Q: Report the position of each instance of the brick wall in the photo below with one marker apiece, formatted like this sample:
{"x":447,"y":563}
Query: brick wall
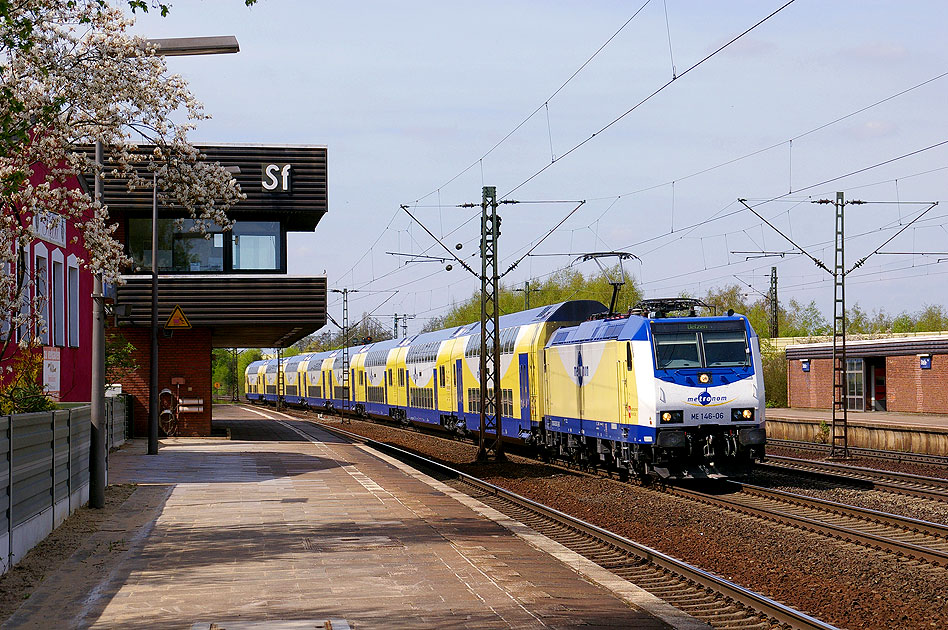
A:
{"x":813,"y":389}
{"x":909,"y":388}
{"x":914,"y":390}
{"x":187,"y":355}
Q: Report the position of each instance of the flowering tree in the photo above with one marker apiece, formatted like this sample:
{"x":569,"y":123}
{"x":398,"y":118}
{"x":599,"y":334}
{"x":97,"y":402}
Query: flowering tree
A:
{"x":71,"y":75}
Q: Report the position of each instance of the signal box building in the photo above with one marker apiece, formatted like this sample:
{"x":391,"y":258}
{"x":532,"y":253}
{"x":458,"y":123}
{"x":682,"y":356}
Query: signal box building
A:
{"x":902,"y":374}
{"x":231,"y":289}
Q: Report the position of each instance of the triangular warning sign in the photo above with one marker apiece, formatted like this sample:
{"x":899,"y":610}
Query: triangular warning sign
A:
{"x":177,"y":319}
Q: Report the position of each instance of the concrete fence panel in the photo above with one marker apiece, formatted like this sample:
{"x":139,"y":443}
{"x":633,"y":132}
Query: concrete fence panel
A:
{"x":44,"y":472}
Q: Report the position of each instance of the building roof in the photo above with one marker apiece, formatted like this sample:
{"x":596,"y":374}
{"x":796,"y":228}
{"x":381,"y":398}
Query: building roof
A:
{"x":915,"y":343}
{"x":299,"y":209}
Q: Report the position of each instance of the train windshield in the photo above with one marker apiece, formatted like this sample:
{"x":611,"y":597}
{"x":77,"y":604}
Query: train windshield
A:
{"x":700,"y":345}
{"x":677,"y":350}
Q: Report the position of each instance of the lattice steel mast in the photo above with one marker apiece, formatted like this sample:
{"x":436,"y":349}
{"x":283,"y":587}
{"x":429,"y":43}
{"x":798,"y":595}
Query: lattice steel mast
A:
{"x":491,"y":394}
{"x":345,"y":346}
{"x":840,"y":443}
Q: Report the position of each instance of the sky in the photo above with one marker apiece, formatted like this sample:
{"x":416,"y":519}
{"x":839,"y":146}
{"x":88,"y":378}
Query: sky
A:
{"x":651,"y":113}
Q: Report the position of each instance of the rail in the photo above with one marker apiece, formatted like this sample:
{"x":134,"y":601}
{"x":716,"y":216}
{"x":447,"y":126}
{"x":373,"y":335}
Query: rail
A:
{"x":764,"y":606}
{"x":901,"y":483}
{"x":872,"y":453}
{"x":913,"y":538}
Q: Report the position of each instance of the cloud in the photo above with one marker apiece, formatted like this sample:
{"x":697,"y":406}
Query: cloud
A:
{"x":874,"y":129}
{"x":877,"y":52}
{"x":748,"y":47}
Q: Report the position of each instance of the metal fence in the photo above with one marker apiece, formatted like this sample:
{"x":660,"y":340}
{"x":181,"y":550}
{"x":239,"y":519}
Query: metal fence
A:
{"x":44,"y":471}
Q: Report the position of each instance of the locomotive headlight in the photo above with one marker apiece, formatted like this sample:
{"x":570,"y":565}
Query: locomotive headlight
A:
{"x":672,"y":417}
{"x":704,"y":379}
{"x":742,"y":415}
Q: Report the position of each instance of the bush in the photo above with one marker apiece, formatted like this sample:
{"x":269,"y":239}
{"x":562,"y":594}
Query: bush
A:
{"x":775,"y":379}
{"x":22,"y":391}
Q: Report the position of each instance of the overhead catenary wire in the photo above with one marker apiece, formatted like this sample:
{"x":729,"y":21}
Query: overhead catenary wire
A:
{"x":617,"y":198}
{"x":776,"y":145}
{"x":542,"y":105}
{"x":889,"y":98}
{"x":658,"y":91}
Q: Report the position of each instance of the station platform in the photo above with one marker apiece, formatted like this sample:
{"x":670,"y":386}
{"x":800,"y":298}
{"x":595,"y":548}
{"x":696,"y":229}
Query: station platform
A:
{"x":888,"y":430}
{"x":879,"y":418}
{"x":299,"y":529}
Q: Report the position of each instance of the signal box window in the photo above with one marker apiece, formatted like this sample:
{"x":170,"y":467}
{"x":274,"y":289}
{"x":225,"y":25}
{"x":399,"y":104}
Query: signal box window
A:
{"x":256,"y":245}
{"x":250,"y":246}
{"x":179,"y":248}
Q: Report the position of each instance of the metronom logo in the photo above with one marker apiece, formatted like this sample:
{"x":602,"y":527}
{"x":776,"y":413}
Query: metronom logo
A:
{"x":704,"y":399}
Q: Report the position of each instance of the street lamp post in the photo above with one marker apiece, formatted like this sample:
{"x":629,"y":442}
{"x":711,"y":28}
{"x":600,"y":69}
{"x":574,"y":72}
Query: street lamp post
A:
{"x":153,"y":369}
{"x":170,"y":47}
{"x":97,"y":454}
{"x":153,"y":384}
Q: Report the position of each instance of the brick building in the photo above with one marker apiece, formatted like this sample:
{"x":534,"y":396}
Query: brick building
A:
{"x":903,"y":374}
{"x":231,"y":288}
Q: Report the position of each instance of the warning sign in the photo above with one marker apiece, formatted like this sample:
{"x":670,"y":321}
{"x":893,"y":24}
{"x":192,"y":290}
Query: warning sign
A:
{"x":177,"y":319}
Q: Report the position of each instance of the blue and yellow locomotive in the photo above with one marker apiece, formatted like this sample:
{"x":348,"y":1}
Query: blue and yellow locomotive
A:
{"x":641,"y":394}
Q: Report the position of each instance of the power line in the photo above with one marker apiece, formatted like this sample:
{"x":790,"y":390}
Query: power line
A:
{"x":541,"y":106}
{"x":617,"y":198}
{"x":649,"y":97}
{"x":781,"y":143}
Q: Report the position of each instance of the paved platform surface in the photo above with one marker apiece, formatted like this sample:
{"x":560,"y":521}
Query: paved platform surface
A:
{"x":878,"y":418}
{"x":292,"y":533}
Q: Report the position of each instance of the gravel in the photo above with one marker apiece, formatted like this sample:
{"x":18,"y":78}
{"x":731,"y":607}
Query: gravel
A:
{"x":841,"y":583}
{"x":912,"y":507}
{"x":911,"y":468}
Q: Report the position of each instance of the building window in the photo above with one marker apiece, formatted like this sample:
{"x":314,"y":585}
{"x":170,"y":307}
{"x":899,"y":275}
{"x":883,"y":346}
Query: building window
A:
{"x":58,"y":303}
{"x":23,"y":294}
{"x":251,"y":246}
{"x":179,"y":248}
{"x":41,"y":294}
{"x":72,"y":284}
{"x":8,"y":269}
{"x":256,"y":245}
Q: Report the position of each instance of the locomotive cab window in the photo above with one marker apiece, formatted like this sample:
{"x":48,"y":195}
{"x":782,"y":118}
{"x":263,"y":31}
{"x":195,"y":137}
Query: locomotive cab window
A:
{"x":709,"y":344}
{"x":725,"y":349}
{"x":676,"y":350}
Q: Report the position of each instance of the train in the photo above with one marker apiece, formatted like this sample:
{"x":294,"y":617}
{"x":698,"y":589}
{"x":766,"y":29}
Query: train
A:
{"x":647,"y":393}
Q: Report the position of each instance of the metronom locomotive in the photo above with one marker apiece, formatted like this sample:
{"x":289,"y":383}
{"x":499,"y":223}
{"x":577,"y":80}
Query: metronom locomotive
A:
{"x":643,"y":393}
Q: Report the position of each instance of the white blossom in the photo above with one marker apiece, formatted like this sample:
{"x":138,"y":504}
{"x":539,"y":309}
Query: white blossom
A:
{"x":73,"y":77}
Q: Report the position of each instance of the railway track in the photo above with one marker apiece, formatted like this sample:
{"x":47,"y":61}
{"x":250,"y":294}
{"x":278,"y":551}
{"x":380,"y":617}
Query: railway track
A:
{"x":903,"y":536}
{"x":933,"y":488}
{"x":705,"y":596}
{"x":869,"y":453}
